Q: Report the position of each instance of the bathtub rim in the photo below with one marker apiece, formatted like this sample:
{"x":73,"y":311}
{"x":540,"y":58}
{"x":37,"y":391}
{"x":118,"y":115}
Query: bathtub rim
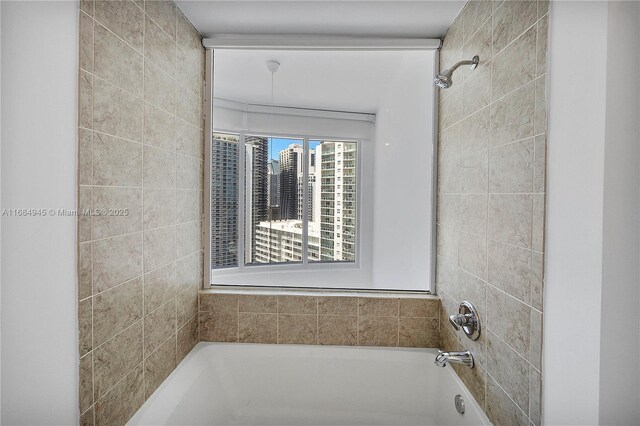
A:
{"x":200,"y":346}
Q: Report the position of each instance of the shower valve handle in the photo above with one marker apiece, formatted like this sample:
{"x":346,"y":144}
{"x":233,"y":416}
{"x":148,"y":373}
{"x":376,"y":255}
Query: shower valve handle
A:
{"x":467,"y":319}
{"x":460,"y":320}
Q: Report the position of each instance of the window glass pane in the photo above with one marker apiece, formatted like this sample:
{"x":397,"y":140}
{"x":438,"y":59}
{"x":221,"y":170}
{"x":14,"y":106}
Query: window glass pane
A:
{"x":274,"y":200}
{"x":224,"y":200}
{"x":332,"y":226}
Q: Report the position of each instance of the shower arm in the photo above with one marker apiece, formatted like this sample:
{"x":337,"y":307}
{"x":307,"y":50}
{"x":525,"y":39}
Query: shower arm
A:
{"x":473,"y":62}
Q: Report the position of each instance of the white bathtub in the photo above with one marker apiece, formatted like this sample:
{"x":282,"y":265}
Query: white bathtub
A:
{"x":250,"y":384}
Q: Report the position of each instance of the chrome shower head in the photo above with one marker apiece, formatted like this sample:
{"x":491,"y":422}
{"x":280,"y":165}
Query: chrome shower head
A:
{"x":444,"y":80}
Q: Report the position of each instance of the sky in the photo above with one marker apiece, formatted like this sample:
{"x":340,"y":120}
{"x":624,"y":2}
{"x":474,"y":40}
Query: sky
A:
{"x":278,"y":144}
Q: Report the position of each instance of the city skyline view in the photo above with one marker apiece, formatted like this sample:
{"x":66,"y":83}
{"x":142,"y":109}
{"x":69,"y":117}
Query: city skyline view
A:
{"x":278,"y":144}
{"x":275,"y":199}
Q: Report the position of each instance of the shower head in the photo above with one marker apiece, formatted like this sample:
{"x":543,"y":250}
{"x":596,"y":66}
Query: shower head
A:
{"x":444,"y":80}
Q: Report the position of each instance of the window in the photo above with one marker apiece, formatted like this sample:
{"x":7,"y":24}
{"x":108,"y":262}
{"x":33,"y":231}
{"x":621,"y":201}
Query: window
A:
{"x":274,"y":200}
{"x":321,"y":178}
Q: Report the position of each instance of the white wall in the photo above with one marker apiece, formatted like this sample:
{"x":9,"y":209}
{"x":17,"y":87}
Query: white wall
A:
{"x":591,"y":282}
{"x":403,"y":184}
{"x":575,"y":167}
{"x":621,"y":242}
{"x":0,"y":221}
{"x":39,"y":315}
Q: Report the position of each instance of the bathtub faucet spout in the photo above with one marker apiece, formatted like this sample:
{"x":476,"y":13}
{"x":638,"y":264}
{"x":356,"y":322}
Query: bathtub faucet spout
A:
{"x":454,"y":357}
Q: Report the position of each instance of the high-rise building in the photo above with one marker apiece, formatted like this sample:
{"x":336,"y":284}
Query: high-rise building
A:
{"x":256,"y":189}
{"x":273,"y":189}
{"x":337,"y":176}
{"x":274,"y":201}
{"x":290,"y":168}
{"x":224,"y":200}
{"x":311,"y":181}
{"x":281,"y":241}
{"x":332,"y":208}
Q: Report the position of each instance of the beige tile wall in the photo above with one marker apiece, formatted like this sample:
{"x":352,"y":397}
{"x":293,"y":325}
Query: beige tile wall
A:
{"x":491,"y":196}
{"x":140,"y":148}
{"x":319,"y":320}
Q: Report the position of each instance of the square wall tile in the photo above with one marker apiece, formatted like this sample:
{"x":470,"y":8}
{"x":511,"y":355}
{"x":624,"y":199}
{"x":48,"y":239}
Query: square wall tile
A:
{"x":187,"y":338}
{"x":297,"y":305}
{"x":117,"y":62}
{"x":297,"y":329}
{"x":261,"y":304}
{"x":337,"y":330}
{"x":116,"y":162}
{"x":116,"y":358}
{"x":116,"y":260}
{"x":419,"y":333}
{"x":218,"y":326}
{"x":122,"y":401}
{"x":158,"y":365}
{"x":163,"y":12}
{"x":160,"y":286}
{"x":159,"y":47}
{"x":116,"y":309}
{"x":124,"y":18}
{"x":116,"y":111}
{"x":377,"y":331}
{"x":159,"y":247}
{"x":257,"y":328}
{"x":159,"y":325}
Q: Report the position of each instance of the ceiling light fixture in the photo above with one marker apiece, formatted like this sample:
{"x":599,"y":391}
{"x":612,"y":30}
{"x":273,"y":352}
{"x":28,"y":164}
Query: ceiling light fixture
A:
{"x":273,"y":65}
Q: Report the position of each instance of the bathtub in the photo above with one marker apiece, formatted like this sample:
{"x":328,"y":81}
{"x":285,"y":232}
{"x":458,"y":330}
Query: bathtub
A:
{"x":252,"y":384}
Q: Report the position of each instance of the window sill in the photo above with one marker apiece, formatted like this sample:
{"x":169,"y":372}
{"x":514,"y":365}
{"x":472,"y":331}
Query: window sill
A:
{"x":292,"y":291}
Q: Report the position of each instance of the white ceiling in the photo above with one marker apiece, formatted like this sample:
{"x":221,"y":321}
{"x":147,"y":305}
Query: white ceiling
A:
{"x":412,"y":19}
{"x":347,"y":81}
{"x":331,"y":80}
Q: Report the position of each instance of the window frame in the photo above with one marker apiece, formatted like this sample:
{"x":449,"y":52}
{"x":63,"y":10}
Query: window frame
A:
{"x":336,"y":43}
{"x":305,"y":264}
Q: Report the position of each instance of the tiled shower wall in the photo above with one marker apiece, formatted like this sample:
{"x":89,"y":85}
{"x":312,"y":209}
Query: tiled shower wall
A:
{"x":491,"y":198}
{"x":140,"y":166}
{"x":319,"y":320}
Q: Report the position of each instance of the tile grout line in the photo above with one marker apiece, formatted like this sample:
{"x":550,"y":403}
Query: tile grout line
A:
{"x":144,"y":307}
{"x":128,"y":44}
{"x":237,"y":319}
{"x":142,"y":98}
{"x":175,"y":191}
{"x":489,"y":329}
{"x":129,"y":280}
{"x":93,"y":369}
{"x":490,"y":102}
{"x":121,"y":138}
{"x":499,"y":289}
{"x":128,"y":234}
{"x":140,"y":364}
{"x":149,"y":187}
{"x":532,"y":194}
{"x":398,"y":323}
{"x":178,"y":119}
{"x":508,"y":396}
{"x":145,"y":358}
{"x":516,"y":37}
{"x":495,"y":54}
